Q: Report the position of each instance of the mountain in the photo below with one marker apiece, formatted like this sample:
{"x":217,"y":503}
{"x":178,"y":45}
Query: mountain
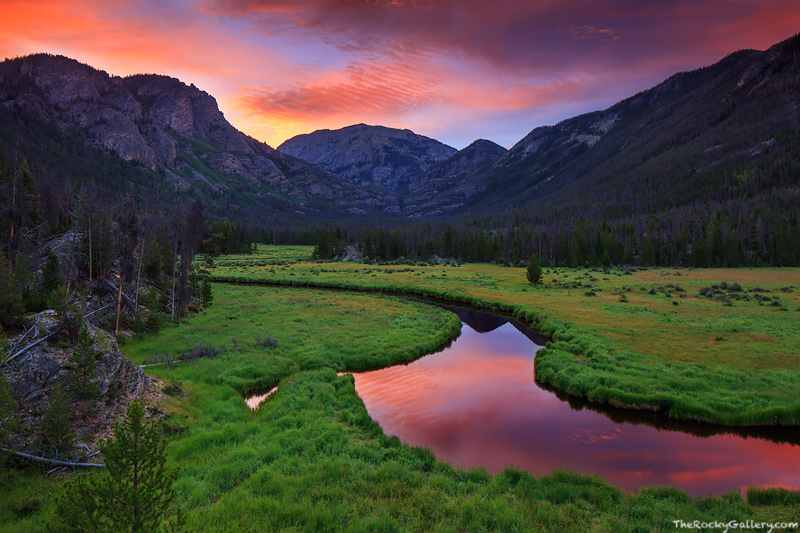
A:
{"x":722,"y":141}
{"x":725,"y":131}
{"x":446,"y":185}
{"x":173,"y":134}
{"x":386,"y":158}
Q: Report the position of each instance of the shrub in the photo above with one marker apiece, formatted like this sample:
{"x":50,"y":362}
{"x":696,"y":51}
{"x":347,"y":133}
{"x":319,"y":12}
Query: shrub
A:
{"x":265,"y":341}
{"x":174,"y":388}
{"x":772,"y":496}
{"x":199,"y":351}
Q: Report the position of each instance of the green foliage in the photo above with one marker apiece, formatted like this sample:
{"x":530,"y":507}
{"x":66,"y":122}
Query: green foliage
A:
{"x":83,"y":370}
{"x":56,"y":427}
{"x":51,"y":275}
{"x":8,"y":408}
{"x":534,"y":271}
{"x":134,"y":493}
{"x":223,"y":237}
{"x":205,"y":292}
{"x":772,"y":496}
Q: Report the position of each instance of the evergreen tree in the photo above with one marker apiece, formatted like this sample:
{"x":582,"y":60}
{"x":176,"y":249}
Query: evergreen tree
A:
{"x":628,"y":254}
{"x":56,"y":426}
{"x":51,"y":275}
{"x":648,"y":252}
{"x":83,"y":368}
{"x":321,"y":249}
{"x":134,"y":493}
{"x":8,"y":407}
{"x":11,"y":305}
{"x":534,"y":271}
{"x":205,"y":293}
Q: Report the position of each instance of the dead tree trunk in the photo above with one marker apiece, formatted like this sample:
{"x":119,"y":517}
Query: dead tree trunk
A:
{"x":174,"y":261}
{"x":119,"y":304}
{"x":138,"y":276}
{"x":90,"y":252}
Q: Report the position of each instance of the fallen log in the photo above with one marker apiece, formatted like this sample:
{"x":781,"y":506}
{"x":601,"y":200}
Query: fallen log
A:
{"x":127,"y":298}
{"x":25,"y":349}
{"x":51,"y":461}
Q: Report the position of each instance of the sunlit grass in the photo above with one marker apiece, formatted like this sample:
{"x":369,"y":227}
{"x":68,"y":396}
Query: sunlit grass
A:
{"x":311,"y":459}
{"x":664,"y":331}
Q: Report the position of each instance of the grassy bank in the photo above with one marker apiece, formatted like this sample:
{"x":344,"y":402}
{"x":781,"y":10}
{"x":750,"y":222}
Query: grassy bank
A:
{"x":716,"y":345}
{"x":311,"y":458}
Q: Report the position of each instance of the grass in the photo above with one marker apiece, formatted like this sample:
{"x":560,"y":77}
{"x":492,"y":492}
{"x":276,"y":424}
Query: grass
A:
{"x":311,"y":459}
{"x":730,"y":359}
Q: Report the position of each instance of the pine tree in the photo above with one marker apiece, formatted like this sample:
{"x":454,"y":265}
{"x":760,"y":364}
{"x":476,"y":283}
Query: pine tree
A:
{"x":51,"y":275}
{"x":8,"y":407}
{"x":56,"y":426}
{"x":134,"y":493}
{"x":534,"y":272}
{"x":84,"y":370}
{"x":205,"y":293}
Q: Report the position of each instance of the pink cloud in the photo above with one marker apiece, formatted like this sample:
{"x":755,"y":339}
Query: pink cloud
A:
{"x":281,"y":67}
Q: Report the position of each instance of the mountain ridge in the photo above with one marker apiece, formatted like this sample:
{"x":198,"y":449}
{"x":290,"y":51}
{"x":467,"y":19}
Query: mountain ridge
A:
{"x":178,"y":131}
{"x":387,"y":158}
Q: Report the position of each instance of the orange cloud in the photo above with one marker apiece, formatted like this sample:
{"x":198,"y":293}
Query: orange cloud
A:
{"x":281,"y":67}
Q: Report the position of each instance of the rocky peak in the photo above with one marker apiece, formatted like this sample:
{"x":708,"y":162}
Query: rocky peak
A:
{"x":369,"y":155}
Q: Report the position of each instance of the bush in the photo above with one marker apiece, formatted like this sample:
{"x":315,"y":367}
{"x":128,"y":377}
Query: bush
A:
{"x":154,"y":322}
{"x":265,"y":341}
{"x":174,"y":388}
{"x":199,"y":351}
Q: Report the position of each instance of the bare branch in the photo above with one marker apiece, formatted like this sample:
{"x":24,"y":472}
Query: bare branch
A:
{"x":50,"y":461}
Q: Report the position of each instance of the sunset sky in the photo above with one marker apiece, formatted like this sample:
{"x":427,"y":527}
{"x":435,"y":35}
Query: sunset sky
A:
{"x":455,"y":70}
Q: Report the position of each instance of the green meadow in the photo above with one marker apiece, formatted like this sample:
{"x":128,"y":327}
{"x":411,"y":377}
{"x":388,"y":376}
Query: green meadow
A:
{"x":311,"y":459}
{"x":715,"y":345}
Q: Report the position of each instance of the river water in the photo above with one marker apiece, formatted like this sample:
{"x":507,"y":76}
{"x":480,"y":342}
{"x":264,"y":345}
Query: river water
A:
{"x":476,"y":403}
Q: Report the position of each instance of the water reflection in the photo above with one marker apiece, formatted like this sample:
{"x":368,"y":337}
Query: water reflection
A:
{"x":476,"y":404}
{"x":254,"y":401}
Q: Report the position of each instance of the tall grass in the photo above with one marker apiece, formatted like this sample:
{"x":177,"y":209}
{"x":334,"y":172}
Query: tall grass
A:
{"x":311,"y":459}
{"x":702,"y":359}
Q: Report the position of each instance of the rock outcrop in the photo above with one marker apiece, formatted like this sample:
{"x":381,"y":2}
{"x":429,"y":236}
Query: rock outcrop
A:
{"x":34,"y":375}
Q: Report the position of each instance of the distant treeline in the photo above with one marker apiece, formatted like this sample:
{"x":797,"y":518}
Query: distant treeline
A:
{"x":743,"y":211}
{"x":754,"y":232}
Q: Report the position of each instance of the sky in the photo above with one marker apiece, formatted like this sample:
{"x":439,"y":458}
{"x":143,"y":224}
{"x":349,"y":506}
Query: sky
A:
{"x":454,"y":70}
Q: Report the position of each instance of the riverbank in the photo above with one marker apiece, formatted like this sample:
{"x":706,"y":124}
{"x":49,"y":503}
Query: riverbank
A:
{"x":718,"y":346}
{"x":311,"y":458}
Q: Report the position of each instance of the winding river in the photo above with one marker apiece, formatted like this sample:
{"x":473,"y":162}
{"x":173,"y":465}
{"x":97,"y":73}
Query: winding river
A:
{"x":476,"y":403}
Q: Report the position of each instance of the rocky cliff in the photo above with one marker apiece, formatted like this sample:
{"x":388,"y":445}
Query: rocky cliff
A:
{"x":176,"y":130}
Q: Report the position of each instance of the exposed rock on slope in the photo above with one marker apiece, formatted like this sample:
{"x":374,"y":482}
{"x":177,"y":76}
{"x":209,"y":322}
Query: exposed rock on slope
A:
{"x":177,"y":130}
{"x":369,"y":155}
{"x":448,"y":184}
{"x":34,"y":375}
